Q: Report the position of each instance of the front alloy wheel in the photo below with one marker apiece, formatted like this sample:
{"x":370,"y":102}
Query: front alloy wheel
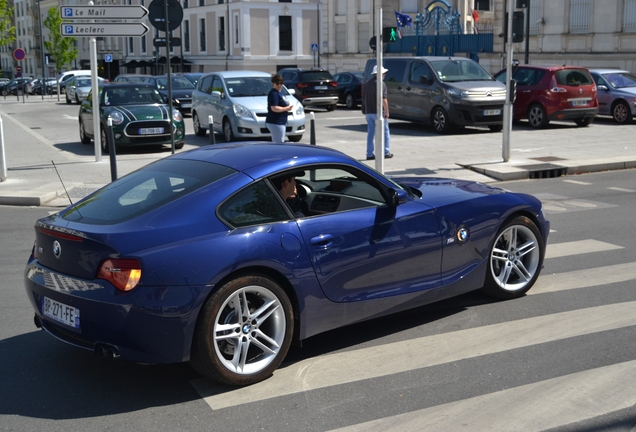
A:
{"x":228,"y":135}
{"x":440,"y":121}
{"x":243,"y":332}
{"x":621,"y":113}
{"x":515,"y":259}
{"x":198,"y":130}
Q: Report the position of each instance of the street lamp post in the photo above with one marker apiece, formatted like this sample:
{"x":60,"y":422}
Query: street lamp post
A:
{"x":43,"y":87}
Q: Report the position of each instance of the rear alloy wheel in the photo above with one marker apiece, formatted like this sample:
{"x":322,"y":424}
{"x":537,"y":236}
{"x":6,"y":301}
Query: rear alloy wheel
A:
{"x":198,"y":130}
{"x":77,"y":99}
{"x":515,"y":259}
{"x":584,"y":121}
{"x":537,"y":117}
{"x":621,"y":113}
{"x":83,"y":138}
{"x":243,"y":332}
{"x":439,"y":119}
{"x":350,"y":101}
{"x":228,"y":135}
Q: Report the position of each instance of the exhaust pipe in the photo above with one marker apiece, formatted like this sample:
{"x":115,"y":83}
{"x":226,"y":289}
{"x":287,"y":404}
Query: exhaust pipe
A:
{"x":37,"y":321}
{"x":106,"y":352}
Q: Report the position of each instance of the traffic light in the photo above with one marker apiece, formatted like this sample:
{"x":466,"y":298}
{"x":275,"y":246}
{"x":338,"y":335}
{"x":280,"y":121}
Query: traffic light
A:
{"x":517,"y":27}
{"x":389,"y":34}
{"x":513,"y":91}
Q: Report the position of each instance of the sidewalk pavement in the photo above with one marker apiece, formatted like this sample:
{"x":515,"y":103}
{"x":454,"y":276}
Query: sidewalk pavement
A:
{"x":43,"y":173}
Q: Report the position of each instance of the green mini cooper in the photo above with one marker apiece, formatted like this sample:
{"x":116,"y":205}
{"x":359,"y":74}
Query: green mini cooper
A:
{"x":139,"y":113}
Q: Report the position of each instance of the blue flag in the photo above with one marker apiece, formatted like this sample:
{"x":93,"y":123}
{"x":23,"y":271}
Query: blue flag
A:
{"x":403,"y":20}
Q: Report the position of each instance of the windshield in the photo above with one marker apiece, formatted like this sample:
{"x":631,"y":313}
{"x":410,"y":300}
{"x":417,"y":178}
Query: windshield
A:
{"x":620,"y":80}
{"x":83,"y":83}
{"x":248,"y":86}
{"x":449,"y":70}
{"x":177,"y":83}
{"x":132,"y":96}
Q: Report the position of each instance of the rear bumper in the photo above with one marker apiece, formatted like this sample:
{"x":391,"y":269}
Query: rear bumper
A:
{"x":146,"y":325}
{"x":574,"y":114}
{"x":320,"y":100}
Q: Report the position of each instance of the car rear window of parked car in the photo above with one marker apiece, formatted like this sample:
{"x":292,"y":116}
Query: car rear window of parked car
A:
{"x":316,"y":75}
{"x":573,"y":77}
{"x":145,"y":190}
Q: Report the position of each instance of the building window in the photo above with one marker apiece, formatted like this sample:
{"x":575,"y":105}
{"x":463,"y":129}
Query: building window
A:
{"x":482,"y":5}
{"x":186,"y":4}
{"x":131,"y":45}
{"x":342,"y":8}
{"x":202,"y":34}
{"x":201,"y":2}
{"x":409,"y":6}
{"x":629,"y":16}
{"x":363,"y":37}
{"x":285,"y":33}
{"x":341,"y":38}
{"x":222,"y":34}
{"x":186,"y":35}
{"x":579,"y":16}
{"x":236,"y":29}
{"x":143,"y":44}
{"x":364,"y":6}
{"x":535,"y":17}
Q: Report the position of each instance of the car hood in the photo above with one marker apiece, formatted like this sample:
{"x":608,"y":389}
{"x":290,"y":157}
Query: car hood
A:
{"x":623,"y":91}
{"x":258,"y":103}
{"x":139,"y":112}
{"x":438,"y":192}
{"x":479,"y":87}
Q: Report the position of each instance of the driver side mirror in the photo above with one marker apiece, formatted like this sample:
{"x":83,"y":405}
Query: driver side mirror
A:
{"x":602,"y":87}
{"x":397,"y":197}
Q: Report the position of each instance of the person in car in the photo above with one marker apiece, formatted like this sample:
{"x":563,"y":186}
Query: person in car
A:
{"x":277,"y":109}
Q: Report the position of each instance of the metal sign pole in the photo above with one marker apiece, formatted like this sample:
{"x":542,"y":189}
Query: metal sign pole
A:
{"x":379,"y":123}
{"x":507,"y":114}
{"x":168,"y":37}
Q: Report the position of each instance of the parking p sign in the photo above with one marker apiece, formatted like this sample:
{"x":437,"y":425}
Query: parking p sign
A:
{"x":67,"y":12}
{"x":68,"y":29}
{"x":108,"y":58}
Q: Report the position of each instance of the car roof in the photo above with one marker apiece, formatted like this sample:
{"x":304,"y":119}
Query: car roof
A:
{"x":607,"y":70}
{"x":240,"y":74}
{"x":551,"y":67}
{"x":126,"y":84}
{"x":258,"y":159}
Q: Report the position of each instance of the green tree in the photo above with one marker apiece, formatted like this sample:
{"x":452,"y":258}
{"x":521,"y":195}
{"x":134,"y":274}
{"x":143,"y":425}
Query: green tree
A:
{"x":61,"y":48}
{"x":7,"y":31}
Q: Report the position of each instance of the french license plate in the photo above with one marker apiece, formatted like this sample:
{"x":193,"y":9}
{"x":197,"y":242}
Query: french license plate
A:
{"x":186,"y":105}
{"x":60,"y":312}
{"x":150,"y":131}
{"x":320,"y":87}
{"x":491,"y":112}
{"x":579,"y":103}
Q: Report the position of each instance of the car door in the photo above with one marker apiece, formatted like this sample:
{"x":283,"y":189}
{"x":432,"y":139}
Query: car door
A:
{"x":201,"y":100}
{"x":420,"y":91}
{"x":395,"y":86}
{"x":361,"y":247}
{"x":86,"y":114}
{"x":528,"y":90}
{"x":218,"y":101}
{"x":604,"y":96}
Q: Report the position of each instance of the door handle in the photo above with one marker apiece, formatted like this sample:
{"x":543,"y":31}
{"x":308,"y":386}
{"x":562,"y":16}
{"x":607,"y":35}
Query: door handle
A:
{"x":322,"y":240}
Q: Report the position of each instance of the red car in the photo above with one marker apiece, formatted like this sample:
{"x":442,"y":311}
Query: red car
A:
{"x":546,"y":93}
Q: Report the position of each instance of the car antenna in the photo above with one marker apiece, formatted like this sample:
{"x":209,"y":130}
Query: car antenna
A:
{"x":60,"y":177}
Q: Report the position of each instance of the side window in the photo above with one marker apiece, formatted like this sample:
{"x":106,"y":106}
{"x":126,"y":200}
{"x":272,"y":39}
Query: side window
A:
{"x":418,"y":71}
{"x":206,"y":85}
{"x":254,"y":205}
{"x":344,"y":79}
{"x":396,"y":70}
{"x":217,"y":85}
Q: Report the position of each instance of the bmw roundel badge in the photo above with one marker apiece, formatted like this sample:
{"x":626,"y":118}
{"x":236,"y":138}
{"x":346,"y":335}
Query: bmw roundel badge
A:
{"x":462,"y":234}
{"x":57,"y":249}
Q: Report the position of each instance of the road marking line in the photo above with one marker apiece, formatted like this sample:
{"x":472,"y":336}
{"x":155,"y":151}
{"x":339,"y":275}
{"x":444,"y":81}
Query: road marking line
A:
{"x":621,"y":189}
{"x":577,"y":248}
{"x":367,"y":363}
{"x":532,"y":407}
{"x":577,"y":182}
{"x":584,"y":278}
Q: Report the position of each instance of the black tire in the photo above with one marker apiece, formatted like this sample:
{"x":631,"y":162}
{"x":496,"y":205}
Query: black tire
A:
{"x":228,"y":135}
{"x":178,"y":146}
{"x":198,"y":130}
{"x":68,"y":101}
{"x":440,"y":121}
{"x":495,"y":128}
{"x":621,"y":113}
{"x":219,"y":353}
{"x":515,"y":259}
{"x":350,"y":101}
{"x":83,"y":138}
{"x":104,"y":142}
{"x":537,"y":117}
{"x":295,"y":138}
{"x":331,"y":107}
{"x":584,"y":122}
{"x":77,"y":99}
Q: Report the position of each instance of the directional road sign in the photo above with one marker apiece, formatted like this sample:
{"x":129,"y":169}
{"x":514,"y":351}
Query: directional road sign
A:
{"x":103,"y":29}
{"x":103,"y":12}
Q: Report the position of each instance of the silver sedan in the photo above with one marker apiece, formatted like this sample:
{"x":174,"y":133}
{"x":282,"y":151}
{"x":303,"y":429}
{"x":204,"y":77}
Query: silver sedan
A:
{"x":78,"y":88}
{"x":616,"y":93}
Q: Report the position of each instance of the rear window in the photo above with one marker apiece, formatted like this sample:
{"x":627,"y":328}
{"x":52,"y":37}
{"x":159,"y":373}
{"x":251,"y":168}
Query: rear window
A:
{"x":316,"y":76}
{"x":573,"y":77}
{"x":144,"y":190}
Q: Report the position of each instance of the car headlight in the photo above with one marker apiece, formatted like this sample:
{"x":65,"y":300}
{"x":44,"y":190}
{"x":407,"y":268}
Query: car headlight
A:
{"x":176,"y":115}
{"x":299,"y":110}
{"x":242,"y":111}
{"x":117,"y":117}
{"x":457,"y":93}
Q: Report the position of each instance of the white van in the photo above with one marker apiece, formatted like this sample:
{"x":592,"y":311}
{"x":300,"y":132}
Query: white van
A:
{"x":65,"y":76}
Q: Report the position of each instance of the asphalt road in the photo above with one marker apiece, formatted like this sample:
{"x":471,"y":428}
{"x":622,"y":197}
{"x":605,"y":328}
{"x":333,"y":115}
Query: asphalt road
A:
{"x":561,"y":358}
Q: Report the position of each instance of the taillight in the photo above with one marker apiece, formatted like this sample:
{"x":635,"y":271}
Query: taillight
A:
{"x":554,"y":88}
{"x":124,"y":274}
{"x":302,"y":85}
{"x":333,"y":84}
